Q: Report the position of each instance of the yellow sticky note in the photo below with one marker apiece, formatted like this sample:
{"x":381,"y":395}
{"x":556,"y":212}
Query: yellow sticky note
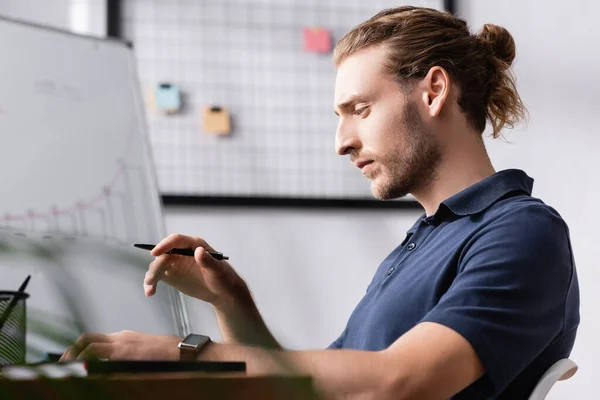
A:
{"x":216,"y":120}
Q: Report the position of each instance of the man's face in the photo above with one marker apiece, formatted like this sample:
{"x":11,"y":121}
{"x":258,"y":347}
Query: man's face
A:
{"x":380,"y":127}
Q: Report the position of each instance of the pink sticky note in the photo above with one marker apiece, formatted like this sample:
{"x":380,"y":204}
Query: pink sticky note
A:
{"x":317,"y":40}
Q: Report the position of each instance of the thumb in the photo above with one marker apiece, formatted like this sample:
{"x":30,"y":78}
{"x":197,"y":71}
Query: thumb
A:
{"x":204,"y":259}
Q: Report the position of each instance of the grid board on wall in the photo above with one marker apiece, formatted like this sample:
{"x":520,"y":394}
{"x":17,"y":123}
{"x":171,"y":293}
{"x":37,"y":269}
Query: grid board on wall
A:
{"x":247,"y":56}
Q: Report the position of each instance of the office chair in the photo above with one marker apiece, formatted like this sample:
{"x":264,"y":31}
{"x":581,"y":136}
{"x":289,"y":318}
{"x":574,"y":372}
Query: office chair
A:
{"x":559,"y":371}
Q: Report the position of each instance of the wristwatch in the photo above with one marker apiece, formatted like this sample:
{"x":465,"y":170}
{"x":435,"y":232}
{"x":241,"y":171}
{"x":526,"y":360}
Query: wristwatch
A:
{"x":191,"y":346}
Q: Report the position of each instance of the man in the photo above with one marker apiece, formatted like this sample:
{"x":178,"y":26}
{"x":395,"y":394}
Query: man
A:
{"x":479,"y":299}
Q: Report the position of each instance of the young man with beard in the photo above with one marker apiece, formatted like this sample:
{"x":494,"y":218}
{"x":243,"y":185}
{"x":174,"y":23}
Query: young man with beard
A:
{"x":478,"y":300}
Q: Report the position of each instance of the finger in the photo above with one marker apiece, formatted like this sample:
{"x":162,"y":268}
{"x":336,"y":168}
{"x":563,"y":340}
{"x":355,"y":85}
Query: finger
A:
{"x":95,"y":351}
{"x":70,"y":354}
{"x":172,"y":241}
{"x":82,"y":342}
{"x":88,"y":338}
{"x":149,"y":289}
{"x":178,"y":240}
{"x":205,"y":260}
{"x":66,"y":356}
{"x":157,"y":268}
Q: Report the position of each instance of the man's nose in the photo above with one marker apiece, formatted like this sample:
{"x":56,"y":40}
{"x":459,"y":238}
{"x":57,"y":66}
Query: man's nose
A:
{"x":346,"y":139}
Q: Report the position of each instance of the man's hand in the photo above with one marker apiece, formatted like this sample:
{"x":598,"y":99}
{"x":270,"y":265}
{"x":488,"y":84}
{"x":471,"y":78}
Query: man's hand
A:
{"x":430,"y":361}
{"x":213,"y":281}
{"x":201,"y":276}
{"x":125,"y":345}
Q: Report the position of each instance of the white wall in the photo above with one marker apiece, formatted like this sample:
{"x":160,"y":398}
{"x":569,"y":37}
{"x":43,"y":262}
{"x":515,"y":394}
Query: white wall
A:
{"x":80,"y":16}
{"x":38,"y":11}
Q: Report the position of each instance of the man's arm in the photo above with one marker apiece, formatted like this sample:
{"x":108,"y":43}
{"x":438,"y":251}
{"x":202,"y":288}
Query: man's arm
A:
{"x":430,"y":361}
{"x":240,"y":321}
{"x":211,"y":280}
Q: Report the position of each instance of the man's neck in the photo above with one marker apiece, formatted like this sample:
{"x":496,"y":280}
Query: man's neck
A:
{"x":466,"y":165}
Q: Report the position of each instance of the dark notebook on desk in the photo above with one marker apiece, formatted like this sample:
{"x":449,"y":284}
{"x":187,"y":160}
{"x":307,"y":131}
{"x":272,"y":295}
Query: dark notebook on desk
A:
{"x":117,"y":366}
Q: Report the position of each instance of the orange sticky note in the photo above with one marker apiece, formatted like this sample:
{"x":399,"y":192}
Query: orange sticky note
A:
{"x":216,"y":120}
{"x":317,"y":40}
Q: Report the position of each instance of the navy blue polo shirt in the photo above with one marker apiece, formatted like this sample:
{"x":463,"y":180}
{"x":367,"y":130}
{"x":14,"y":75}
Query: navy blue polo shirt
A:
{"x":495,"y":265}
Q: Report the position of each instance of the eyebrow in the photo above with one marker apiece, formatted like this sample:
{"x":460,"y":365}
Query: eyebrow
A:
{"x":347,"y":104}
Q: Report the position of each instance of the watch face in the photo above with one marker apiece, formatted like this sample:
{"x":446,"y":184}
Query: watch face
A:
{"x":195,"y":340}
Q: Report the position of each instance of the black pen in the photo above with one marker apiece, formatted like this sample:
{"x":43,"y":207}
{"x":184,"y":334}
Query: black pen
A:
{"x":182,"y":252}
{"x":13,"y":302}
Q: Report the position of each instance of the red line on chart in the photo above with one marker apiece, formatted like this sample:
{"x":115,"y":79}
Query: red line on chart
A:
{"x":101,"y":205}
{"x":80,"y":206}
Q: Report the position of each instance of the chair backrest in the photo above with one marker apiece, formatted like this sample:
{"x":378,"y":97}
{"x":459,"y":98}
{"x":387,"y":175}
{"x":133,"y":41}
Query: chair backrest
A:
{"x":559,"y":371}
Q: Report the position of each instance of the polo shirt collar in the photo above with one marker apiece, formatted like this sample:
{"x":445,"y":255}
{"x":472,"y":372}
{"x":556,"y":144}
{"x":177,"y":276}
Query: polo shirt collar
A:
{"x":481,"y":195}
{"x":486,"y":192}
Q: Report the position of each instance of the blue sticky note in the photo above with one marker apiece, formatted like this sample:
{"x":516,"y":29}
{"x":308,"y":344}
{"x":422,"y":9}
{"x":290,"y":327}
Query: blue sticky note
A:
{"x":167,"y":97}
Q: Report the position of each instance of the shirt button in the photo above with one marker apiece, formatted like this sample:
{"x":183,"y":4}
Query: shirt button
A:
{"x":389,"y":271}
{"x":411,"y":246}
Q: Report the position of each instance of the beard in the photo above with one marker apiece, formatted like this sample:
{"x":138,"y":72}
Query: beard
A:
{"x":411,"y":163}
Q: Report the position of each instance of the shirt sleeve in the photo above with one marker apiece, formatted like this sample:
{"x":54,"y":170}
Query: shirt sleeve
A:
{"x":508,"y":298}
{"x":339,"y":342}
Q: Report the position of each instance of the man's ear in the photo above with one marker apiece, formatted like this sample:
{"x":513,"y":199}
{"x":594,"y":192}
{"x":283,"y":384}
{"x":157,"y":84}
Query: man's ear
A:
{"x":436,"y":88}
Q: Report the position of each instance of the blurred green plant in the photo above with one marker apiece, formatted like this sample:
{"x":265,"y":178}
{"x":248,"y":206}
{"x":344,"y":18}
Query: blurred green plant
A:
{"x":56,"y":330}
{"x":60,"y":330}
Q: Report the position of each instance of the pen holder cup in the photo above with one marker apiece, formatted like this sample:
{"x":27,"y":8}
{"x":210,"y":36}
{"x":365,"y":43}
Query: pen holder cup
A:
{"x":12,"y":333}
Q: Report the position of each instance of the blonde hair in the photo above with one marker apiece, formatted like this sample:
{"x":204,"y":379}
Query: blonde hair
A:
{"x":417,"y":39}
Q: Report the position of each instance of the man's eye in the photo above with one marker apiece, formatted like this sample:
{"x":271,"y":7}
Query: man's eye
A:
{"x":360,"y":111}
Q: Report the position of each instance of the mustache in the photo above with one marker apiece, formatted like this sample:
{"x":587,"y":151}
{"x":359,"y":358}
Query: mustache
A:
{"x":355,"y":157}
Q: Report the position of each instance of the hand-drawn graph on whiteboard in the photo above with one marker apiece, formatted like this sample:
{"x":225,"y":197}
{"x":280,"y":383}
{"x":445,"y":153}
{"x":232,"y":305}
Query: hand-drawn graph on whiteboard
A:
{"x":116,"y":209}
{"x":75,"y":159}
{"x":78,"y":183}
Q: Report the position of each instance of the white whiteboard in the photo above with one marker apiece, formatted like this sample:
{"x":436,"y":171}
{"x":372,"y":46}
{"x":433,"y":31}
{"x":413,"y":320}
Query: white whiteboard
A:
{"x":76,"y":164}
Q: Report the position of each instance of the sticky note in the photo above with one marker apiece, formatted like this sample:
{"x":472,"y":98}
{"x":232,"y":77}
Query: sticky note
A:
{"x":317,"y":40}
{"x":216,"y":120}
{"x":166,"y":98}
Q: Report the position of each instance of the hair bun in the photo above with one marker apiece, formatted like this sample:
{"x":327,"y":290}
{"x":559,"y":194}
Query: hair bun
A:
{"x":499,"y":41}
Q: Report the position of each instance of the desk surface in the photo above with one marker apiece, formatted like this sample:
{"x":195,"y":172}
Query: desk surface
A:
{"x":161,"y":386}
